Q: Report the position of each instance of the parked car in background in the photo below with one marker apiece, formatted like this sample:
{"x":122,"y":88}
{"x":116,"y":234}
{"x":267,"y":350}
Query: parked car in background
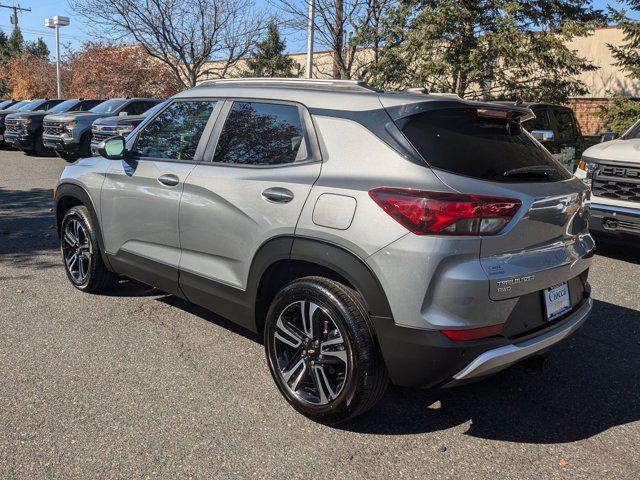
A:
{"x":43,"y":104}
{"x":557,"y":128}
{"x":106,"y":127}
{"x":69,"y":134}
{"x":612,"y":170}
{"x":369,"y":236}
{"x":24,"y":129}
{"x":7,"y":110}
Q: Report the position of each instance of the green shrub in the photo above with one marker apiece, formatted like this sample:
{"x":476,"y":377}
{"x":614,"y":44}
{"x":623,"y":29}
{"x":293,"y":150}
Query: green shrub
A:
{"x":621,"y":113}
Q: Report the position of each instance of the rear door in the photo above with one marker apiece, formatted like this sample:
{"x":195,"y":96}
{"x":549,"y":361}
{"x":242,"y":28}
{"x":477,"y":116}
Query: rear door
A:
{"x":249,"y":189}
{"x":140,"y":196}
{"x":547,"y":242}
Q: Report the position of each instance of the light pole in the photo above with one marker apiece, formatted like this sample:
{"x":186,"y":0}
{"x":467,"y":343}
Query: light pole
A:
{"x":55,"y":23}
{"x":310,"y":39}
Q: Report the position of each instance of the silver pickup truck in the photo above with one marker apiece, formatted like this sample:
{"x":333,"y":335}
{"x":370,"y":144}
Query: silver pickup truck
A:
{"x":612,"y":169}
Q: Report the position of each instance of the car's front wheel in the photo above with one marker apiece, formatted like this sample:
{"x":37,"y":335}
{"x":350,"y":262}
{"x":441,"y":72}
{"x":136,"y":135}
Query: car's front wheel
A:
{"x":322,"y":350}
{"x":81,"y":252}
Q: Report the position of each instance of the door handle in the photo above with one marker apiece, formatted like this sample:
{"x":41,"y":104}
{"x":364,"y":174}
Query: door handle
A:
{"x":277,"y":195}
{"x":169,"y":180}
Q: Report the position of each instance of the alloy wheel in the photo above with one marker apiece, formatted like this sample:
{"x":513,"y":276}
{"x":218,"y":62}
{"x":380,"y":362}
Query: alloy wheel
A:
{"x":311,"y":354}
{"x":77,"y":251}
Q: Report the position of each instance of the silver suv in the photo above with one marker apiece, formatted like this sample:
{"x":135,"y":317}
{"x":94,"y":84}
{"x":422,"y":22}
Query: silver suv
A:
{"x":372,"y":237}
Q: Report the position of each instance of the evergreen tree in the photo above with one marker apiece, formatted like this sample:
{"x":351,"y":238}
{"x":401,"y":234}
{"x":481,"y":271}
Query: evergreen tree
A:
{"x":15,"y":45}
{"x":628,"y":54}
{"x":38,"y":48}
{"x":268,"y":57}
{"x":512,"y":49}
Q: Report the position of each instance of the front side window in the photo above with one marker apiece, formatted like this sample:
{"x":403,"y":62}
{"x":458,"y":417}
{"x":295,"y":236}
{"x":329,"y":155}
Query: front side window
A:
{"x":176,"y":132}
{"x":261,"y":134}
{"x":541,"y":122}
{"x":565,"y":126}
{"x":85,"y":105}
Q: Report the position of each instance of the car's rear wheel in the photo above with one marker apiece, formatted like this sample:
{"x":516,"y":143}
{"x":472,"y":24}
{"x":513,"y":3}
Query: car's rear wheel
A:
{"x":81,"y":252}
{"x":322,"y":350}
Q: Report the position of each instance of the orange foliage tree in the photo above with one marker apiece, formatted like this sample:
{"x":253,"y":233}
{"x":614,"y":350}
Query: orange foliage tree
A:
{"x":102,"y":70}
{"x":29,"y":76}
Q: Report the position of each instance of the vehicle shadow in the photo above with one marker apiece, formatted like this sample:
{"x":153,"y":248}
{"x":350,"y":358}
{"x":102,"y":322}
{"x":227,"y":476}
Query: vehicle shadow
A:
{"x":591,"y":386}
{"x":27,"y":227}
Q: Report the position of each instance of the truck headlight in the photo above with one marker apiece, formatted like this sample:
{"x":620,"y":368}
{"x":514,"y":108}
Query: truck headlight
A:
{"x":125,"y":130}
{"x":69,"y":126}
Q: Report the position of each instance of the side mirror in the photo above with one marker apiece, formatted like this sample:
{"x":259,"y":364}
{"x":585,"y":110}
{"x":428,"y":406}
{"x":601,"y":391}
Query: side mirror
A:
{"x":112,"y":148}
{"x":608,"y":136}
{"x":543,"y":135}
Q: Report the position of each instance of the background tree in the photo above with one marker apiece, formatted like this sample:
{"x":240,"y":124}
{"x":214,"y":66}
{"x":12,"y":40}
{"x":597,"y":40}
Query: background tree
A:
{"x":15,"y":44}
{"x":185,"y":35}
{"x":343,"y":27}
{"x":513,"y":49}
{"x":38,"y":48}
{"x":30,"y":76}
{"x":104,"y":70}
{"x":268,"y":58}
{"x":623,"y":111}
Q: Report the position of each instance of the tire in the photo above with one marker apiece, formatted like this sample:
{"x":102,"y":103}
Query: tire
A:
{"x":78,"y":240}
{"x":69,"y":157}
{"x":330,"y":369}
{"x":38,"y":146}
{"x":84,"y":149}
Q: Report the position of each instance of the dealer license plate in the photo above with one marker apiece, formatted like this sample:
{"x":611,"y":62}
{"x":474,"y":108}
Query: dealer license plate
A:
{"x":557,"y":300}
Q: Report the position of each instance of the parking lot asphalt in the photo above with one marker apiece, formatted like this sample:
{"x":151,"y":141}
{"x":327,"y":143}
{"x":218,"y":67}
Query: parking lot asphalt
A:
{"x":137,"y":384}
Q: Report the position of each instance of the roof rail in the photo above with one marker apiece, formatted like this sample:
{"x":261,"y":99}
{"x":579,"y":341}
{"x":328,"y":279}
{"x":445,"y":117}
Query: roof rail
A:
{"x":297,"y":82}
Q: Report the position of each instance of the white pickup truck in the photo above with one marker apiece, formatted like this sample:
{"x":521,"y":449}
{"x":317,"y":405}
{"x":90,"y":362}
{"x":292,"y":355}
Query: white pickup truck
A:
{"x":612,"y":169}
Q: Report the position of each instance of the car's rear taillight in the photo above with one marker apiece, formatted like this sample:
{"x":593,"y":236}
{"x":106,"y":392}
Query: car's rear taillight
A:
{"x":473,"y":333}
{"x":440,"y":213}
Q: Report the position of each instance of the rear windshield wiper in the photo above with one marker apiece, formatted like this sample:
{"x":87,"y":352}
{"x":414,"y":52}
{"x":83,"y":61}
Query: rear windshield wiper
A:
{"x":541,"y":170}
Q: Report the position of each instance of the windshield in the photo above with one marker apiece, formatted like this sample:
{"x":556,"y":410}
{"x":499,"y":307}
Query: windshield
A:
{"x":5,"y":103}
{"x":31,"y":106}
{"x":633,"y":133}
{"x":64,"y":106}
{"x":109,"y":106}
{"x":22,"y":105}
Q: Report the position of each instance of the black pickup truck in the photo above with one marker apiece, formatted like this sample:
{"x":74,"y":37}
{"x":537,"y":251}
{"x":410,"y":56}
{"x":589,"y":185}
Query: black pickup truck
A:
{"x":557,"y":128}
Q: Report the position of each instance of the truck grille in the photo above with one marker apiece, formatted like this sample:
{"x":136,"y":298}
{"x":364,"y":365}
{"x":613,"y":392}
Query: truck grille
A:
{"x":51,"y":128}
{"x":99,"y":137}
{"x":13,"y":126}
{"x":617,"y":182}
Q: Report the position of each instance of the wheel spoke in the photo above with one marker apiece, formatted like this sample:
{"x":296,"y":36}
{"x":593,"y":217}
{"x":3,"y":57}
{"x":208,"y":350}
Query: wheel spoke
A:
{"x":287,"y":374}
{"x":292,"y":336}
{"x":71,"y":261}
{"x":321,"y":382}
{"x":334,"y":347}
{"x":81,"y":269}
{"x":70,"y":239}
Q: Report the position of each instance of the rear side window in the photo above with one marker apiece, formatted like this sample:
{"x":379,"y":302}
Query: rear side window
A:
{"x":176,"y":132}
{"x":261,"y":134}
{"x":461,"y":141}
{"x":566,"y":130}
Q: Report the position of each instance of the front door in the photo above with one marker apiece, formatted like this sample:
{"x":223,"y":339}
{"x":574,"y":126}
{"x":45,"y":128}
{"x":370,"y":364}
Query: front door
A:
{"x":140,"y":196}
{"x":249,"y":190}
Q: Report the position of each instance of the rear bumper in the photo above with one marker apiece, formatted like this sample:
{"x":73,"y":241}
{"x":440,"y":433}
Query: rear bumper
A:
{"x":497,"y":359}
{"x":426,"y":358}
{"x":613,"y":220}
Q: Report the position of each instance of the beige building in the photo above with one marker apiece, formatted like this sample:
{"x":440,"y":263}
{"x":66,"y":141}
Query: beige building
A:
{"x":602,"y":83}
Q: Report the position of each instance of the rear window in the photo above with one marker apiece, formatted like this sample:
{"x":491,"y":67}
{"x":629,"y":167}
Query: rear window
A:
{"x":461,"y":141}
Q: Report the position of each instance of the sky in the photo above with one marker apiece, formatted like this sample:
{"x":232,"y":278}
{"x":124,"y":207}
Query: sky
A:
{"x":32,"y":23}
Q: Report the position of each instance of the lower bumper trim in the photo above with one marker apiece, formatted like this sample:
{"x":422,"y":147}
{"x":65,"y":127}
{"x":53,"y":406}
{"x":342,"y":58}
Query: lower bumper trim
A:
{"x":500,"y":358}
